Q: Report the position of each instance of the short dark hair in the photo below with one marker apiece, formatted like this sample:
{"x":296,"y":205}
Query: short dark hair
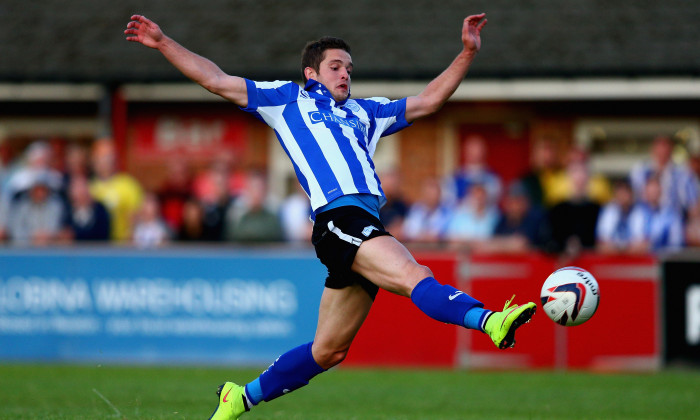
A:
{"x":314,"y":51}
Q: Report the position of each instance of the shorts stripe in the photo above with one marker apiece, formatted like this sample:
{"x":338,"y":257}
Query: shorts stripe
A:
{"x":344,"y":236}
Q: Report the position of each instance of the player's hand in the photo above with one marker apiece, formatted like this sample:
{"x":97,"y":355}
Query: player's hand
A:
{"x":140,"y":29}
{"x":471,"y":32}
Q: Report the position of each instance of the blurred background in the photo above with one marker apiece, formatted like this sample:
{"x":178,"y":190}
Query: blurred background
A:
{"x":144,"y":220}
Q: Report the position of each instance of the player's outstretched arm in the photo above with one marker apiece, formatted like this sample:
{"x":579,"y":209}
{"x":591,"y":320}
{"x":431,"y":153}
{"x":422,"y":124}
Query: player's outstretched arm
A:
{"x":201,"y":70}
{"x":442,"y":87}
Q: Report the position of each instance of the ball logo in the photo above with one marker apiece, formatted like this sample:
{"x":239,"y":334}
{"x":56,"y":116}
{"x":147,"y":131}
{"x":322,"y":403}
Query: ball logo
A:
{"x":559,"y":292}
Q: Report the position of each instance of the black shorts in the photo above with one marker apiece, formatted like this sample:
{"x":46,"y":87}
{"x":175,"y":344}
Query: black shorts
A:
{"x":338,"y":234}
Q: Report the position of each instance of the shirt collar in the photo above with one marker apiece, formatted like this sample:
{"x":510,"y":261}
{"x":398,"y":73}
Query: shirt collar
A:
{"x":317,"y":87}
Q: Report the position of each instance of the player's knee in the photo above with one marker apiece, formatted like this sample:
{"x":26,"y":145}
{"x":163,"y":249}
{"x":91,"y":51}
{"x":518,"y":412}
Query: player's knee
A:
{"x":327,"y":358}
{"x":413,"y":275}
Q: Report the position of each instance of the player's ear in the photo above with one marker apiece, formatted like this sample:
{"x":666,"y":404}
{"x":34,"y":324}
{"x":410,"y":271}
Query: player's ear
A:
{"x":310,"y":73}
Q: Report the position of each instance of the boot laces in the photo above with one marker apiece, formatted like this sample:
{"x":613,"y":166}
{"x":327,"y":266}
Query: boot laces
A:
{"x":508,"y":305}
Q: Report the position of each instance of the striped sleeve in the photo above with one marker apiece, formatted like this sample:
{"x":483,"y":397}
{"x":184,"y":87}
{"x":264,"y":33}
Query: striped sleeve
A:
{"x":390,"y":115}
{"x":264,"y":94}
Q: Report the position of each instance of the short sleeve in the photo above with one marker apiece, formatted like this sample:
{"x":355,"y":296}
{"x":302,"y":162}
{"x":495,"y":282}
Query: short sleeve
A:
{"x":265,"y":94}
{"x":390,"y":116}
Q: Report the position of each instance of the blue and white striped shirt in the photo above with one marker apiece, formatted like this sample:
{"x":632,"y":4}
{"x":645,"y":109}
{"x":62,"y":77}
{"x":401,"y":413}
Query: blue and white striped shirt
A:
{"x":330,"y":143}
{"x":679,"y":185}
{"x":662,"y":226}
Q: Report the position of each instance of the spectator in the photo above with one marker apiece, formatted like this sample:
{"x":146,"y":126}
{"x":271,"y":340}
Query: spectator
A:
{"x":216,"y":206}
{"x":560,"y":186}
{"x":474,"y":170}
{"x":150,"y":230}
{"x":679,"y":185}
{"x":544,"y":166}
{"x":192,"y":226}
{"x":613,"y":232}
{"x":393,"y":213}
{"x":38,"y":157}
{"x":257,"y":222}
{"x":474,"y":219}
{"x":574,"y":221}
{"x":295,"y":213}
{"x":77,"y":164}
{"x":521,"y":226}
{"x":206,"y":185}
{"x":37,"y":163}
{"x":428,"y":217}
{"x":87,"y":219}
{"x":655,"y":226}
{"x":174,"y":192}
{"x":119,"y":192}
{"x":35,"y":218}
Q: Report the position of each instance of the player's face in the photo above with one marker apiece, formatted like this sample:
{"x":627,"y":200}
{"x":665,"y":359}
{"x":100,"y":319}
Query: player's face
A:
{"x":334,"y":73}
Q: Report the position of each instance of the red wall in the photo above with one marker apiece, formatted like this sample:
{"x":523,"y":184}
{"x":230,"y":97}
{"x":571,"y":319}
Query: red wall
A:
{"x":624,"y":333}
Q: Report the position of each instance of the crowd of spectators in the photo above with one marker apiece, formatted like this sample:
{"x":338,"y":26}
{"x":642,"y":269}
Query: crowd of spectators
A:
{"x":558,"y":206}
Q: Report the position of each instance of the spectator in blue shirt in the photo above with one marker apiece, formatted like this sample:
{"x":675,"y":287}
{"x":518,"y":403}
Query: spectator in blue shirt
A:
{"x":679,"y":185}
{"x":473,"y":171}
{"x":427,"y":218}
{"x":474,"y":219}
{"x":654,"y":226}
{"x":613,"y":233}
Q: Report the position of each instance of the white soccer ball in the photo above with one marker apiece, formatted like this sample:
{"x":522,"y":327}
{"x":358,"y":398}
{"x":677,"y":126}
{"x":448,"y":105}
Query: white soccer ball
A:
{"x":570,"y":296}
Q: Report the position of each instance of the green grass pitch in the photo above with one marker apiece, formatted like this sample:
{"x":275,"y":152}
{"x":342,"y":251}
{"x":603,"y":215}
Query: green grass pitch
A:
{"x":80,"y":392}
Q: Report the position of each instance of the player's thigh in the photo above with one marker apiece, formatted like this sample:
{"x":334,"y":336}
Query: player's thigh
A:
{"x":387,"y":263}
{"x":340,"y":316}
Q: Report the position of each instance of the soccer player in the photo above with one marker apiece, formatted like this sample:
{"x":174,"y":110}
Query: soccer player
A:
{"x":330,"y":139}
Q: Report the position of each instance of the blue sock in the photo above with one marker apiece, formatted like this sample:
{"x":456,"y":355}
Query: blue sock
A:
{"x":253,"y":392}
{"x":443,"y":302}
{"x":475,"y":318}
{"x":291,"y":371}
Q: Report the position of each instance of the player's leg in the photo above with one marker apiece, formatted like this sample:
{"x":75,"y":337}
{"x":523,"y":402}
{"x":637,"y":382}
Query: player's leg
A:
{"x":388,"y":264}
{"x":341,"y":314}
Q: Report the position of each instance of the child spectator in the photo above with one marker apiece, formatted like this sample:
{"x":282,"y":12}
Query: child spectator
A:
{"x":150,"y":230}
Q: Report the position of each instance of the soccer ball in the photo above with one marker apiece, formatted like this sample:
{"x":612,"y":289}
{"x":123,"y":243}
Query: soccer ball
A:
{"x":570,"y":296}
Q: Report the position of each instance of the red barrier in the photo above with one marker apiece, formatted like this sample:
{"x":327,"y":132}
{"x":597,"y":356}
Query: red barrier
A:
{"x":624,"y":333}
{"x":396,"y":333}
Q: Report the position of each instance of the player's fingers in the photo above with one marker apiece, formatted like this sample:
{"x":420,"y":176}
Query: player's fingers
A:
{"x":475,"y":18}
{"x":143,"y":19}
{"x":482,"y":24}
